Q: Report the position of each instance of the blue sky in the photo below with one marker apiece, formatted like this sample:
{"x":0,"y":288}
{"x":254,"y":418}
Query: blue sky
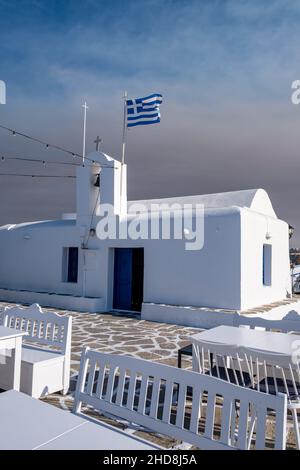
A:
{"x":224,"y":68}
{"x":240,"y":46}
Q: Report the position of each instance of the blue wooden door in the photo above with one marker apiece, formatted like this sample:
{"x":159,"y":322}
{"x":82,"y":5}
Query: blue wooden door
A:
{"x":123,"y":279}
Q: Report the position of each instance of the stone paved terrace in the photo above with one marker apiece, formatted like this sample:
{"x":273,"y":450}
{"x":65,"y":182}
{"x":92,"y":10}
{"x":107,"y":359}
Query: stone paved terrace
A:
{"x":121,"y":334}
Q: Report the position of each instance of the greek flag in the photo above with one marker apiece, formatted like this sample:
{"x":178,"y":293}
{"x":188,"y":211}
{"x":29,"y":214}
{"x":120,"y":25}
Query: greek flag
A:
{"x":143,"y":111}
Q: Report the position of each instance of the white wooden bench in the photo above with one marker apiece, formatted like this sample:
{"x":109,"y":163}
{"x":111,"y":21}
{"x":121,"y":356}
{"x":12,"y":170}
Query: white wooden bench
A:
{"x":46,"y":352}
{"x":220,"y":415}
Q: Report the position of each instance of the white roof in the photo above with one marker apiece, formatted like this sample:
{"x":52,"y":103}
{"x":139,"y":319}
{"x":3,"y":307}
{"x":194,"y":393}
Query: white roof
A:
{"x":256,"y":200}
{"x":38,"y":224}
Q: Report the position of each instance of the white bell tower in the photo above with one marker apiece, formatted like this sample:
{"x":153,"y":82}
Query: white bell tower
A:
{"x":99,"y":169}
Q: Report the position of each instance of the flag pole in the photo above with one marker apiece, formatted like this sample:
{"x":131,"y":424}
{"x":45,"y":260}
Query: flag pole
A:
{"x":84,"y":131}
{"x":123,"y":143}
{"x":124,"y":129}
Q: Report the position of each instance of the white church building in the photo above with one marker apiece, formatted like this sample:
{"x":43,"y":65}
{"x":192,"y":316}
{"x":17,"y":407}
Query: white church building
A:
{"x":242,"y":263}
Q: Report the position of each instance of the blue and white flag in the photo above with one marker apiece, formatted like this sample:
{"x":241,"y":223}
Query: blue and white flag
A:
{"x":143,"y":111}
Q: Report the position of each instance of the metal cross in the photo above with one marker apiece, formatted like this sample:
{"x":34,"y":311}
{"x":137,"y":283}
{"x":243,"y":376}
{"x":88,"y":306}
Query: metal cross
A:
{"x":98,"y":141}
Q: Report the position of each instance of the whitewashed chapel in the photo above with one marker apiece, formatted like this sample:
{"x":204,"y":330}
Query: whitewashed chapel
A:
{"x":243,"y":263}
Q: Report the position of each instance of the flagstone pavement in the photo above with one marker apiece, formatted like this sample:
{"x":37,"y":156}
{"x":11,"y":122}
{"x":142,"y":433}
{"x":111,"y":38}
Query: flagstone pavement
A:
{"x":126,"y":335}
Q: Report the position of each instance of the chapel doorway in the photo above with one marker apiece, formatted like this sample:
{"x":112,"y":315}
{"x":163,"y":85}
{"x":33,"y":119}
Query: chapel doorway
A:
{"x":128,"y":279}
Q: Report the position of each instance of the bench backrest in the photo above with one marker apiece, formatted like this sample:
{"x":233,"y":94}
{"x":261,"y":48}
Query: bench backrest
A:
{"x":282,"y":326}
{"x":45,"y":328}
{"x":156,"y":396}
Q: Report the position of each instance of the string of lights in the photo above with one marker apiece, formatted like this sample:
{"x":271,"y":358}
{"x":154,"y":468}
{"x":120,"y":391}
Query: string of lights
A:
{"x":37,"y":176}
{"x":34,"y":139}
{"x":14,"y":132}
{"x":37,"y":160}
{"x":4,"y":158}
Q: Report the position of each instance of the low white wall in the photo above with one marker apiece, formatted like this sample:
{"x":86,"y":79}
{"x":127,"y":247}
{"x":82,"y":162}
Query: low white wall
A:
{"x":278,"y":317}
{"x":186,"y":316}
{"x":68,"y":302}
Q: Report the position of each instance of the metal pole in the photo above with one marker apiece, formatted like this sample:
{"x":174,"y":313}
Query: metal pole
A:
{"x":84,"y":131}
{"x":123,"y":143}
{"x":124,"y":129}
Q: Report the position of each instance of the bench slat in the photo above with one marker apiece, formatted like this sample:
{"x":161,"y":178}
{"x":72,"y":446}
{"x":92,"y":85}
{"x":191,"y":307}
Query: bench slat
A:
{"x":210,"y":415}
{"x":196,"y":410}
{"x":261,"y":428}
{"x":130,"y":396}
{"x":120,"y":389}
{"x":154,"y":397}
{"x":226,"y":421}
{"x":168,"y":401}
{"x":181,"y":406}
{"x":91,"y":377}
{"x":100,"y":380}
{"x":110,"y":384}
{"x":243,"y":424}
{"x":142,"y":397}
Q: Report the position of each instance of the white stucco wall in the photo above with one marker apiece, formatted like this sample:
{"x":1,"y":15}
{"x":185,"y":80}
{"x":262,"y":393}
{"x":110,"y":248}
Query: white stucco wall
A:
{"x":31,"y":256}
{"x":31,"y":259}
{"x":254,"y":228}
{"x":173,"y":275}
{"x":207,"y":277}
{"x":226,"y":273}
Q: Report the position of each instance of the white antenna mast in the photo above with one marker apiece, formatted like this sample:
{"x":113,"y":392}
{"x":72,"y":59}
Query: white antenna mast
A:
{"x":85,"y":107}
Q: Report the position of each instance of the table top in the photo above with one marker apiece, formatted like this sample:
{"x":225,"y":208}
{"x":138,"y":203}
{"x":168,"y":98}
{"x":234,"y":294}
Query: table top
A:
{"x":54,"y":428}
{"x":6,"y":333}
{"x":266,"y":341}
{"x":91,"y":436}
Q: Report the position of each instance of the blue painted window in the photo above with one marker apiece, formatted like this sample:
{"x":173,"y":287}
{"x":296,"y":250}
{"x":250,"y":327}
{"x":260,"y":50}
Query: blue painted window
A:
{"x":267,"y":265}
{"x":70,"y":264}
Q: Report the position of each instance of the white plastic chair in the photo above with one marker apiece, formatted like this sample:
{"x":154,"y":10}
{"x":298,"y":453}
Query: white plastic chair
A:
{"x":273,"y":374}
{"x":221,"y":361}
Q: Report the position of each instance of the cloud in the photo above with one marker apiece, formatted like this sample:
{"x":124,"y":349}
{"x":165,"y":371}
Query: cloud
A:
{"x":224,"y":68}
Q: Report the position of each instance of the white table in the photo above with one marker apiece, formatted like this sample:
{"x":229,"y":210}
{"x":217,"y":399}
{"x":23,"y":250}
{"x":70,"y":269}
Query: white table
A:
{"x":235,"y":339}
{"x":11,"y":339}
{"x":29,"y":424}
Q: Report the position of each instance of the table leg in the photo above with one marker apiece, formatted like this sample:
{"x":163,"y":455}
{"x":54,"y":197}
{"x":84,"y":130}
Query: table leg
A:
{"x":196,"y":359}
{"x":179,"y":360}
{"x":16,"y":359}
